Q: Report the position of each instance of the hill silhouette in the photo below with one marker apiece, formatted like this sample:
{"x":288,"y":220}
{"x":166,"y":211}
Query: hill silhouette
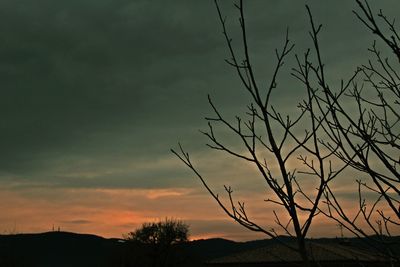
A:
{"x":56,"y":249}
{"x":71,"y":249}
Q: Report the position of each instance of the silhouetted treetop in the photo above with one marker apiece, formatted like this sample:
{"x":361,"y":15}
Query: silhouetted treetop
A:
{"x":166,"y":233}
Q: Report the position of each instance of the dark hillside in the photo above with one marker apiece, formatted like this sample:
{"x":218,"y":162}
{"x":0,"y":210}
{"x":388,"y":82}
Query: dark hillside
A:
{"x":64,"y":249}
{"x":56,"y":249}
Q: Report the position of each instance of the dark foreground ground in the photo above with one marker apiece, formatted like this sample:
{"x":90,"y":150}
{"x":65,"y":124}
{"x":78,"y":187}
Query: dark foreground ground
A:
{"x":64,"y":249}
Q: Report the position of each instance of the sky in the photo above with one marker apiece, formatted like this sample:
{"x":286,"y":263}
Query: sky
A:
{"x":95,"y":93}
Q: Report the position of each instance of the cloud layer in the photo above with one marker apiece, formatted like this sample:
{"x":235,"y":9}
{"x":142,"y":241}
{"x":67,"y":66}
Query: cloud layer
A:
{"x":95,"y":93}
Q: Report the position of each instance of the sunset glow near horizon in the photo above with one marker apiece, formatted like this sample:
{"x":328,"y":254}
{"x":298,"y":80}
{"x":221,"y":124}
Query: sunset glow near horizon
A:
{"x":112,"y":213}
{"x":95,"y":93}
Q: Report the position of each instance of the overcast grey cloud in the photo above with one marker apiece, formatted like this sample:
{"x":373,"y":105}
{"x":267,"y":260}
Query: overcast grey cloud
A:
{"x":95,"y":93}
{"x":92,"y":78}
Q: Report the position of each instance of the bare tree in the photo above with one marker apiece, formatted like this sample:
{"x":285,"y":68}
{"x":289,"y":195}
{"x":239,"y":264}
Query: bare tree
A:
{"x":326,"y":137}
{"x":282,"y":140}
{"x":366,"y":134}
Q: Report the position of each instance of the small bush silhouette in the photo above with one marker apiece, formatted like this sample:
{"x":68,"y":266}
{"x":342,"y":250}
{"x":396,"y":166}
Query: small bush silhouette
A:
{"x":159,"y":240}
{"x":166,"y":233}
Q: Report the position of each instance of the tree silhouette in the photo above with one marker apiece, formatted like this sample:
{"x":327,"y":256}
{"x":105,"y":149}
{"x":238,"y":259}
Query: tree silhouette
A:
{"x":164,"y":233}
{"x":264,"y":130}
{"x":324,"y":137}
{"x":366,"y":136}
{"x":160,"y":237}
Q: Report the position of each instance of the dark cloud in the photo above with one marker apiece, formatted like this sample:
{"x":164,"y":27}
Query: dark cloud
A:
{"x":81,"y":76}
{"x":90,"y":86}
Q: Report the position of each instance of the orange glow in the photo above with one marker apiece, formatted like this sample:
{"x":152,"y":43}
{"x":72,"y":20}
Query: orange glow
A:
{"x":114,"y":212}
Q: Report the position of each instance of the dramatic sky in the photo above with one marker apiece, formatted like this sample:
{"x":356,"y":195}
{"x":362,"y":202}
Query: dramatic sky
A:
{"x":94,"y":93}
